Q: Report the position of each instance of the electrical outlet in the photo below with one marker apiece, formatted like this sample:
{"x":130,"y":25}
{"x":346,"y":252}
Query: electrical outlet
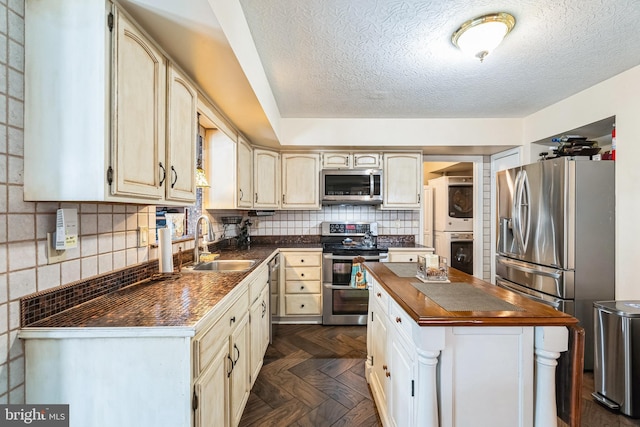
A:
{"x":143,"y":237}
{"x":53,"y":255}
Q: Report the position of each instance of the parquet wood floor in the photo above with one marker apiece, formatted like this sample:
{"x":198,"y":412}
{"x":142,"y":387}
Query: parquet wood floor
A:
{"x":313,"y":376}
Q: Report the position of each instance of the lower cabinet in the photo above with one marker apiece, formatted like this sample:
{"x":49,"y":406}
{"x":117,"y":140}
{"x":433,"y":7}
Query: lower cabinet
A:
{"x":301,"y":289}
{"x":259,"y":314}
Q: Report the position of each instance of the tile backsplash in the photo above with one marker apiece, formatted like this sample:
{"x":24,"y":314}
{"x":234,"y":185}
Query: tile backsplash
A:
{"x":284,"y":223}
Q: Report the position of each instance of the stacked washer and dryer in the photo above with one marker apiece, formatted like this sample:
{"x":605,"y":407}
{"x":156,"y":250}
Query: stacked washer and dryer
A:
{"x":453,"y":220}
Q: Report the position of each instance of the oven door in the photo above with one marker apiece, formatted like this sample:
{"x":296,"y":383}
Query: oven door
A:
{"x":341,"y":303}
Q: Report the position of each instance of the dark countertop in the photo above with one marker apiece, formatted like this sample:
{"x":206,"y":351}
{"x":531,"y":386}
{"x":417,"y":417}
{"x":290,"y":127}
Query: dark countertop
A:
{"x":180,"y":301}
{"x":427,"y":313}
{"x":170,"y":302}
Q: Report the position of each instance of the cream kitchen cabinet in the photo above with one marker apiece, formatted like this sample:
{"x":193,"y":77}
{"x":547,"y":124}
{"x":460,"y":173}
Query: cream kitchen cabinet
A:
{"x":182,"y":133}
{"x":106,"y":138}
{"x":245,"y":174}
{"x":300,"y":181}
{"x":266,"y":179}
{"x":302,"y":285}
{"x":407,"y":254}
{"x":258,"y":321}
{"x":220,"y":154}
{"x":344,"y":160}
{"x":402,"y":187}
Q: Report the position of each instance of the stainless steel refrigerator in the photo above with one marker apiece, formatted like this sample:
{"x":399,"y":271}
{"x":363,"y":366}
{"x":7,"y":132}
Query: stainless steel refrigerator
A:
{"x":556,"y":236}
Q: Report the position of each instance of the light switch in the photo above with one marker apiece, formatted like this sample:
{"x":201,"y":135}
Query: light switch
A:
{"x":143,"y":237}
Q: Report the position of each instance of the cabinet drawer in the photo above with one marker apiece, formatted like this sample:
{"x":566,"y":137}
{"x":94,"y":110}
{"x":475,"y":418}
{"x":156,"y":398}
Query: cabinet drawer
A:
{"x":302,"y":259}
{"x":303,"y":287}
{"x":381,"y":297}
{"x":302,"y":304}
{"x":400,"y":319}
{"x":403,"y":257}
{"x":206,"y":346}
{"x":256,"y":287}
{"x":302,"y":273}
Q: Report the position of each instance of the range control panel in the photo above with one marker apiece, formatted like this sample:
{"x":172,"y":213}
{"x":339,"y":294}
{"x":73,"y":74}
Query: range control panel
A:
{"x":341,"y":228}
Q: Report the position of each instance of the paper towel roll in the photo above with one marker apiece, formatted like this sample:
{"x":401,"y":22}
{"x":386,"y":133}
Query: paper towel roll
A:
{"x":166,"y":250}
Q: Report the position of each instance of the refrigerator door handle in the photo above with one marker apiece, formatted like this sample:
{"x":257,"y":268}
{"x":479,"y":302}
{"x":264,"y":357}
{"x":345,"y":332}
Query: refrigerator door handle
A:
{"x":532,"y":295}
{"x":515,"y":212}
{"x":525,"y":223}
{"x":526,"y":269}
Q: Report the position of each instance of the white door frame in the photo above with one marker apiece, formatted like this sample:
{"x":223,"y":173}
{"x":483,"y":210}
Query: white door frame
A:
{"x":478,"y":169}
{"x":516,"y":154}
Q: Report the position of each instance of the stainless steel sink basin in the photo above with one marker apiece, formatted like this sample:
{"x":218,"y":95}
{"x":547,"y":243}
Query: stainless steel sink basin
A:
{"x":222,"y":265}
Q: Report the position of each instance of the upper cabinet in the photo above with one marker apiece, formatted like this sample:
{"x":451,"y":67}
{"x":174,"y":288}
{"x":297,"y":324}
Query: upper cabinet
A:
{"x":266,"y":179}
{"x":402,"y":180}
{"x":182,"y":133}
{"x":124,"y":124}
{"x":300,"y":181}
{"x":344,"y":160}
{"x":219,"y":153}
{"x":245,"y":174}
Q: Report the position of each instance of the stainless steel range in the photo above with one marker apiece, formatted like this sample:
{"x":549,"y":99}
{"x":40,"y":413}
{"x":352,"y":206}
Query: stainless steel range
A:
{"x":341,"y":243}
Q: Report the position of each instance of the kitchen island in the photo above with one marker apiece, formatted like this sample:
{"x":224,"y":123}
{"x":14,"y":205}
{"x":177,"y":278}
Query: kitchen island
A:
{"x":480,"y":355}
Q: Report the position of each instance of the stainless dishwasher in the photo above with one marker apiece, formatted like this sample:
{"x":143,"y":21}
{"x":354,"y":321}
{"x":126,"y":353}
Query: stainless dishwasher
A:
{"x":274,"y":289}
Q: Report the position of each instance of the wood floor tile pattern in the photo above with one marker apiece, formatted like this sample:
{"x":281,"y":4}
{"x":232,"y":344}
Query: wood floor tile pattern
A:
{"x":313,"y":376}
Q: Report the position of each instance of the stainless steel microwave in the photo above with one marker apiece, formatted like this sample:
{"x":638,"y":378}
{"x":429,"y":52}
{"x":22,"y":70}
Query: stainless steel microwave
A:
{"x":351,"y":186}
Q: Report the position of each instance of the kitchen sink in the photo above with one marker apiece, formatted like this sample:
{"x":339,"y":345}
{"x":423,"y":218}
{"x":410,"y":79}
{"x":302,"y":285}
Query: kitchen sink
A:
{"x":223,"y":265}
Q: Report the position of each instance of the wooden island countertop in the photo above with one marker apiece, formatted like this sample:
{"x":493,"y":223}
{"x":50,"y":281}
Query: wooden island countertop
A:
{"x":427,"y":313}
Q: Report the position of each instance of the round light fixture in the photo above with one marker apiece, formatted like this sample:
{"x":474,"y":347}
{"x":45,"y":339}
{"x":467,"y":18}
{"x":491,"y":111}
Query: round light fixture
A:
{"x":479,"y":36}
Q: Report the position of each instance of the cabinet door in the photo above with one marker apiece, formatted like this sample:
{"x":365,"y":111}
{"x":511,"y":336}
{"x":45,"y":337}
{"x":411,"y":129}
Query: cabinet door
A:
{"x":402,"y":180}
{"x":245,"y":174}
{"x":300,"y":181}
{"x":266,"y":179}
{"x":140,"y":168}
{"x":182,"y":132}
{"x":220,"y":154}
{"x":239,"y":384}
{"x":212,"y":391}
{"x":379,"y":351}
{"x":402,"y":386}
{"x":366,"y":160}
{"x":259,"y":331}
{"x":336,"y":160}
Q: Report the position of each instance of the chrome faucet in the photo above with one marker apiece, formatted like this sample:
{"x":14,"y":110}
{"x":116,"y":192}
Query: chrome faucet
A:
{"x":210,"y":237}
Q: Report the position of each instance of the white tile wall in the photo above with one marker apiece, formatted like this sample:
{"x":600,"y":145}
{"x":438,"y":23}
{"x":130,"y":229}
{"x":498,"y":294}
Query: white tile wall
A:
{"x":288,"y":223}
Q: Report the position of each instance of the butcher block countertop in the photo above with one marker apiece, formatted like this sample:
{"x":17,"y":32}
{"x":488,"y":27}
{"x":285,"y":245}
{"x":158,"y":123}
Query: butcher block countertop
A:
{"x":427,"y":312}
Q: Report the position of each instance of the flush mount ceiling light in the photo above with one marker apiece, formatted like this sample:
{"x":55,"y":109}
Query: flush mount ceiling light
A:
{"x":479,"y":36}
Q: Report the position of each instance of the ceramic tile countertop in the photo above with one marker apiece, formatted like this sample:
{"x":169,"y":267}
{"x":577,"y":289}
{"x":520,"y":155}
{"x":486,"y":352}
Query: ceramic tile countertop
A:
{"x":171,"y":302}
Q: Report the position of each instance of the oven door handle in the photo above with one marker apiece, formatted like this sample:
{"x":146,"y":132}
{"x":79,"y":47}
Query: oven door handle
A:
{"x":343,"y":287}
{"x":351,"y":257}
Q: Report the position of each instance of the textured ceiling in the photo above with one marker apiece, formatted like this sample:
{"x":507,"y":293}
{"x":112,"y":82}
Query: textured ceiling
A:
{"x":394,"y":59}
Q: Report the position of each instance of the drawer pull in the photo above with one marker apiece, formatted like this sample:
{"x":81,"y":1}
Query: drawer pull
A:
{"x":301,"y":305}
{"x":302,"y":260}
{"x":379,"y":295}
{"x":232,"y":320}
{"x":301,"y":274}
{"x":410,"y":259}
{"x":385,"y":367}
{"x":302,"y":288}
{"x":388,"y":374}
{"x":398,"y":320}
